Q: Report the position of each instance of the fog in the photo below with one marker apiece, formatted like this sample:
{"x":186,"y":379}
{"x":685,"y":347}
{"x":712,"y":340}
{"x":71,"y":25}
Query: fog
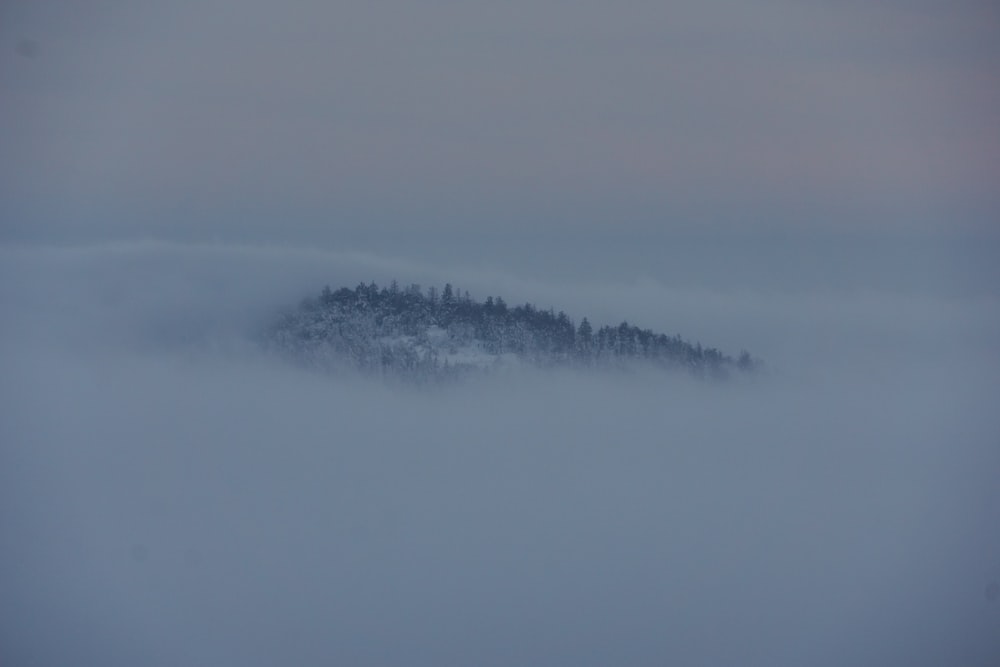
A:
{"x":171,"y":494}
{"x":813,"y":182}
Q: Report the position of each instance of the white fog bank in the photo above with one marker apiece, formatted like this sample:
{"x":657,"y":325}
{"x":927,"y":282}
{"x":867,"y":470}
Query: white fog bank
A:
{"x":170,"y":495}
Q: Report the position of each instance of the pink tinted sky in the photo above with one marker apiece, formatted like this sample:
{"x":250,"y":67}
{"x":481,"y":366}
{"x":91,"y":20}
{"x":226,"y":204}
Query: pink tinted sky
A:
{"x":882,"y":114}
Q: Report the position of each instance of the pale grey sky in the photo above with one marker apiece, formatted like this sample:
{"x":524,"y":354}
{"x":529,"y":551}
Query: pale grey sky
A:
{"x":315,"y":121}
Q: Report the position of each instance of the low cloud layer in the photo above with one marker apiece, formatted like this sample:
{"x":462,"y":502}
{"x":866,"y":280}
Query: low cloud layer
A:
{"x":171,"y":495}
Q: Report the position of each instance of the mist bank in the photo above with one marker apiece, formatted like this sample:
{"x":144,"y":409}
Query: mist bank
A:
{"x":159,"y":293}
{"x":172,"y":495}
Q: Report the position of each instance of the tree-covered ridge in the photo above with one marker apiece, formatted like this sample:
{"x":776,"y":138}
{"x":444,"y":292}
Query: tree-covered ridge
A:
{"x":412,"y":332}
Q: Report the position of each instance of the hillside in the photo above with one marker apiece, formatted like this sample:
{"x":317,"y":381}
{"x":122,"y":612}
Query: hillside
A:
{"x":410,"y":333}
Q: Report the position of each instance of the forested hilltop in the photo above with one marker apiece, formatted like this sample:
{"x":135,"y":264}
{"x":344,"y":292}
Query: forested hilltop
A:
{"x":416,"y":334}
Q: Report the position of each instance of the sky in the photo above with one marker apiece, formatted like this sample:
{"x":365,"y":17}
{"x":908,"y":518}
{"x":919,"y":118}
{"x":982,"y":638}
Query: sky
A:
{"x":812,"y":181}
{"x":348,"y":123}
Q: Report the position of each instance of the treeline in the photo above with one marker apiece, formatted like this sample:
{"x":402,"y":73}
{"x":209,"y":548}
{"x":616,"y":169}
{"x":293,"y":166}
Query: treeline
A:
{"x":409,"y":329}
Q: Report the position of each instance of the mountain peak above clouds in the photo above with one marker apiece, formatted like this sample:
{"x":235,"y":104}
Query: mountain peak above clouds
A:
{"x":444,"y":333}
